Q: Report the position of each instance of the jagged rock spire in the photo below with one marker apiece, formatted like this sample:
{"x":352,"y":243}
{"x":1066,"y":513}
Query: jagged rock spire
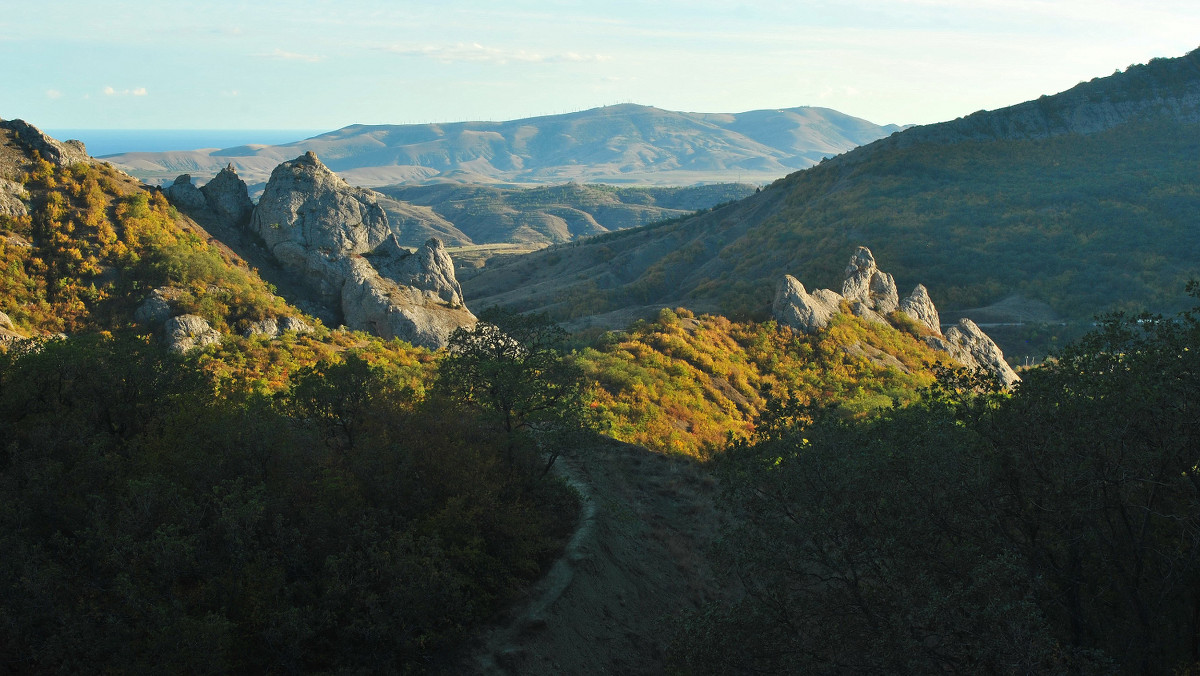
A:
{"x":871,"y":294}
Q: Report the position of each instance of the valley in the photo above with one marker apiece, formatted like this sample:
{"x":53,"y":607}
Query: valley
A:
{"x":568,"y":395}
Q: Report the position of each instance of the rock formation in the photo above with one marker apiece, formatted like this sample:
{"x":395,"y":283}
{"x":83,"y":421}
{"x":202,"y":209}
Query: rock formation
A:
{"x":62,"y":153}
{"x":225,"y":198}
{"x":429,"y":269}
{"x":8,"y":332}
{"x":336,"y":239}
{"x":187,"y":332}
{"x":228,"y":197}
{"x":12,"y":199}
{"x":185,"y":196}
{"x":272,"y":327}
{"x":871,"y":294}
{"x":157,"y":306}
{"x":866,"y":283}
{"x":968,"y":344}
{"x":801,"y":310}
{"x":919,"y":307}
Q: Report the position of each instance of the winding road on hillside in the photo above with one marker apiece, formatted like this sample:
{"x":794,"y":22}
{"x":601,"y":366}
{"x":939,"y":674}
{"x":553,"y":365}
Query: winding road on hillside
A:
{"x":638,"y":557}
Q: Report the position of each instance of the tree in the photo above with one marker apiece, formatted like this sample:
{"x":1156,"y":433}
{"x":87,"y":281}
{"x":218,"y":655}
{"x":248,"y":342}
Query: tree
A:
{"x":512,"y":369}
{"x":1055,"y":529}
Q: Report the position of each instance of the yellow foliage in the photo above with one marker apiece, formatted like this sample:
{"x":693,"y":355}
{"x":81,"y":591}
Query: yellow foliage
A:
{"x":687,"y":384}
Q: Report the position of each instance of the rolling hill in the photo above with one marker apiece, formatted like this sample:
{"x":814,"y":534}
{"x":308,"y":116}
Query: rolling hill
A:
{"x":1070,"y":205}
{"x":483,"y":214}
{"x":623,"y":144}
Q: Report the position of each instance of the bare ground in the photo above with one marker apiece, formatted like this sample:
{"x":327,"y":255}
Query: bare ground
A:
{"x":638,"y":557}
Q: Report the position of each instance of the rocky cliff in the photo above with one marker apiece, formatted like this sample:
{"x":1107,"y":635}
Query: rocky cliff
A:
{"x":335,"y":238}
{"x":61,"y":153}
{"x":871,"y":293}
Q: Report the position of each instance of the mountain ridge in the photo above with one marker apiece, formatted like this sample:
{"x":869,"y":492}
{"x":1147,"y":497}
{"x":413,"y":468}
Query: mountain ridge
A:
{"x":1087,"y":222}
{"x":626,"y":143}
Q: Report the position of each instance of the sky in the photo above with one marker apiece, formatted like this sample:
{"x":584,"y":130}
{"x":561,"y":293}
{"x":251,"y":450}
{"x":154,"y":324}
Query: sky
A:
{"x":312,"y":64}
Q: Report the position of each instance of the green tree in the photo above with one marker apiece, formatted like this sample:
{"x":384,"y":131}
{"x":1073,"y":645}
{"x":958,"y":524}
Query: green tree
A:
{"x":1053,"y":530}
{"x":513,"y":370}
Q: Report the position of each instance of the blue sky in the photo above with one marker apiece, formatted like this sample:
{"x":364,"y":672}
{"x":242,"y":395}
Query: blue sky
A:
{"x":308,"y":64}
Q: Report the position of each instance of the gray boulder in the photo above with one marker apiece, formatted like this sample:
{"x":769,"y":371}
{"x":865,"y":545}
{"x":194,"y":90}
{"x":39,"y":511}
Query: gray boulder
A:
{"x":969,"y":345}
{"x":308,"y":206}
{"x":295,"y":324}
{"x":865,"y":282}
{"x":60,"y":153}
{"x":12,"y":199}
{"x":805,"y":312}
{"x":187,"y":332}
{"x":377,"y":304}
{"x":156,"y":308}
{"x":273,"y":328}
{"x":335,"y":238}
{"x":186,"y":196}
{"x":229,"y":199}
{"x":268,"y":327}
{"x":863,"y":311}
{"x":430,"y":268}
{"x":919,"y":307}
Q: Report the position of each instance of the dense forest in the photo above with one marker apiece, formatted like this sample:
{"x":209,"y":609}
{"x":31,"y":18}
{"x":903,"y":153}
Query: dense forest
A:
{"x":1051,"y":530}
{"x":314,"y":502}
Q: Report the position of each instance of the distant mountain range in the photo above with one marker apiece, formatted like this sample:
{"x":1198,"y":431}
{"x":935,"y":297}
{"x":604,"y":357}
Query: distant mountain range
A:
{"x":623,"y":144}
{"x":1064,"y":207}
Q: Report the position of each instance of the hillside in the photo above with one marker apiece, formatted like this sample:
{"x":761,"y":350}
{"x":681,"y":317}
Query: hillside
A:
{"x":623,"y":144}
{"x":1079,"y":203}
{"x":476,"y":214}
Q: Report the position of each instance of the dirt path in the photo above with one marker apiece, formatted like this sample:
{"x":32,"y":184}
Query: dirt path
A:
{"x":637,"y":557}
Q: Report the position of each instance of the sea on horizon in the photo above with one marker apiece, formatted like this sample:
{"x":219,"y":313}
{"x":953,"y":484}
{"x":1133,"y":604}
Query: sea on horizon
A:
{"x":102,"y":142}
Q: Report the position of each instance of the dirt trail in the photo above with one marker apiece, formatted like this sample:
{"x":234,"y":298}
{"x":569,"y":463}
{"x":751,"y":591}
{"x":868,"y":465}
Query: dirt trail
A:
{"x":638,"y":556}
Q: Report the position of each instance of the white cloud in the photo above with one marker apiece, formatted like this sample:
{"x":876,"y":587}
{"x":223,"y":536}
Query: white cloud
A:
{"x":290,"y":56}
{"x":53,"y":94}
{"x":229,"y":93}
{"x":477,"y":53}
{"x":136,"y":91}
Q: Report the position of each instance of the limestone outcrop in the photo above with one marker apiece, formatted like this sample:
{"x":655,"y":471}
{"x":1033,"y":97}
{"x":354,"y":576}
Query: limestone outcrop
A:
{"x":228,"y":197}
{"x":188,"y":332}
{"x":430,"y":268}
{"x":273,"y":327}
{"x":870,"y":293}
{"x":919,"y":307}
{"x":61,"y":153}
{"x":804,"y":311}
{"x":866,"y":283}
{"x":185,"y":196}
{"x":156,"y":309}
{"x":308,"y":206}
{"x":8,"y":332}
{"x":225,"y":199}
{"x":968,"y":344}
{"x":336,"y":240}
{"x":12,"y":199}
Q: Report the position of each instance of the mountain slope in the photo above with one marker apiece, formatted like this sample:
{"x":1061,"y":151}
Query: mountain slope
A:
{"x":615,"y":144}
{"x":1085,"y":201}
{"x":551,"y":214}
